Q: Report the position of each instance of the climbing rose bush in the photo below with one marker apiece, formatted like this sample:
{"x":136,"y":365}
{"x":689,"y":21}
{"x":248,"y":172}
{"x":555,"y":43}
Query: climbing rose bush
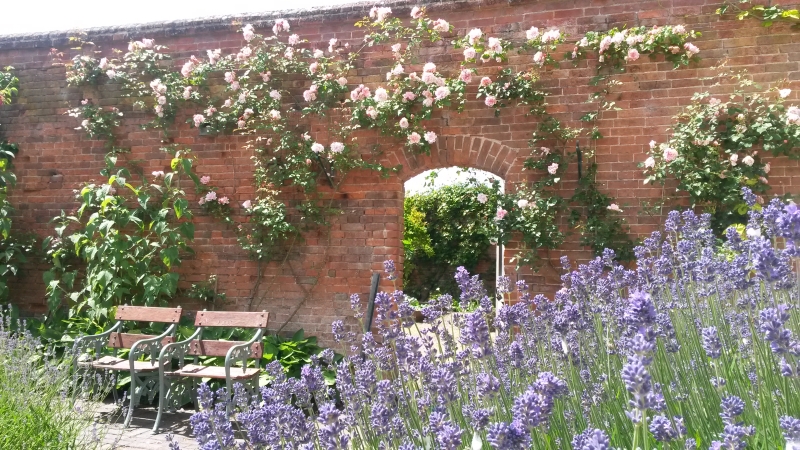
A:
{"x":694,"y":348}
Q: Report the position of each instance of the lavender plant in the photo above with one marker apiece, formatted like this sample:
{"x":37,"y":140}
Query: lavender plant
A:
{"x":694,"y":348}
{"x":37,"y":407}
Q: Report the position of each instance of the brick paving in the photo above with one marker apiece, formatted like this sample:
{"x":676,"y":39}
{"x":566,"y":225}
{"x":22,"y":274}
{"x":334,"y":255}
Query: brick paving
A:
{"x":139,"y":436}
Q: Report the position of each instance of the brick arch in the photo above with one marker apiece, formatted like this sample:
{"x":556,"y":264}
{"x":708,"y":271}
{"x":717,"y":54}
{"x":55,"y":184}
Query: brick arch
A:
{"x":476,"y":152}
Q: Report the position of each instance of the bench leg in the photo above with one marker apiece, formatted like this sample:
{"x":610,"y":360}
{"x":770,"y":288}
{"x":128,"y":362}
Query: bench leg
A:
{"x":164,"y":392}
{"x":134,"y":399}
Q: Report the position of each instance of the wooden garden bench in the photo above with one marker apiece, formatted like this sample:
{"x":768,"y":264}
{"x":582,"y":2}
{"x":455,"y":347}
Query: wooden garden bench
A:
{"x":171,"y":379}
{"x":144,"y":374}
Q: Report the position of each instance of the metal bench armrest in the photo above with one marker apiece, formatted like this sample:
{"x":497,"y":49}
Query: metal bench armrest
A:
{"x":83,"y":343}
{"x":241,"y":353}
{"x":151,"y":345}
{"x":177,"y":350}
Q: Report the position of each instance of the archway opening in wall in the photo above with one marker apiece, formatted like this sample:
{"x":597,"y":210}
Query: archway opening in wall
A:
{"x":449,"y":221}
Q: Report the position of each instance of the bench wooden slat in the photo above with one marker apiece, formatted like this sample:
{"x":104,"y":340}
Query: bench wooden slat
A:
{"x":149,"y":314}
{"x":126,"y":340}
{"x":220,"y":348}
{"x":231,"y":319}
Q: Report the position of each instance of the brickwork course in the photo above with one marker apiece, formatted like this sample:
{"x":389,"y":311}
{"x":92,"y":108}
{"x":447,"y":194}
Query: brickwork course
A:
{"x":309,"y":287}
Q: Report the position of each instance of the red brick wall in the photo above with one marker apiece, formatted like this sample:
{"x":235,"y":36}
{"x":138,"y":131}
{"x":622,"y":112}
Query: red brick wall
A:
{"x":310,"y":288}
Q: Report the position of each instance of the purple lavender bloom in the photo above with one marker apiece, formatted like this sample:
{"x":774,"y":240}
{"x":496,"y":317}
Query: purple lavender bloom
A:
{"x":479,"y":418}
{"x":733,"y":438}
{"x":791,"y":428}
{"x":391,"y":271}
{"x":503,"y":285}
{"x":732,"y":407}
{"x":487,"y":385}
{"x":508,"y":436}
{"x":550,"y":385}
{"x":711,"y":343}
{"x":771,"y":324}
{"x":640,"y":312}
{"x":332,"y":429}
{"x":662,"y":429}
{"x":448,"y":435}
{"x":591,"y":439}
{"x":475,"y":334}
{"x":532,"y":409}
{"x":749,"y":196}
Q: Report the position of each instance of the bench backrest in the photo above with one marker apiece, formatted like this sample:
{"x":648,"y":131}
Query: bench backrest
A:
{"x":126,"y":340}
{"x":149,"y":314}
{"x":228,"y":319}
{"x":220,"y":348}
{"x":231,"y":319}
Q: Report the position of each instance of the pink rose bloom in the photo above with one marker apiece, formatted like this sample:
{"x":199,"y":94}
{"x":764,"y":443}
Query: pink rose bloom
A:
{"x":342,"y":81}
{"x":429,"y":67}
{"x":403,"y":123}
{"x":482,"y":198}
{"x":103,"y":63}
{"x":680,"y":29}
{"x":316,"y":147}
{"x":430,"y":137}
{"x":247,"y":32}
{"x":224,"y":201}
{"x":469,"y":53}
{"x":614,"y":207}
{"x":381,"y":95}
{"x":337,"y":147}
{"x":691,"y":49}
{"x":265,"y":76}
{"x":397,"y":70}
{"x":473,"y":35}
{"x":767,"y":168}
{"x":198,"y":119}
{"x":670,"y":154}
{"x":784,"y":92}
{"x":280,"y":25}
{"x":652,"y":144}
{"x":275,"y":114}
{"x":275,"y":95}
{"x":532,"y":34}
{"x":247,"y":204}
{"x":241,"y":124}
{"x":205,"y":179}
{"x":633,"y":54}
{"x":650,"y":162}
{"x":332,"y":44}
{"x":428,"y":102}
{"x":210,"y":111}
{"x":748,"y":160}
{"x":372,"y":113}
{"x":552,"y":168}
{"x":538,"y":58}
{"x":309,"y":95}
{"x":414,"y":138}
{"x":409,"y":96}
{"x":235,"y":86}
{"x":148,"y":43}
{"x":733,"y":159}
{"x":441,"y":26}
{"x":396,"y":48}
{"x":490,"y":101}
{"x":551,"y":36}
{"x":465,"y":76}
{"x":294,"y":39}
{"x":442,"y":93}
{"x":158,"y":173}
{"x":211,"y":196}
{"x":227,"y":103}
{"x":545,"y":151}
{"x":313,"y":67}
{"x":501,"y":213}
{"x":202,"y":201}
{"x":495,"y":45}
{"x":187,"y":92}
{"x":413,"y":76}
{"x":417,"y":12}
{"x":485,"y":81}
{"x":522,"y":203}
{"x":229,"y":77}
{"x":111,"y":74}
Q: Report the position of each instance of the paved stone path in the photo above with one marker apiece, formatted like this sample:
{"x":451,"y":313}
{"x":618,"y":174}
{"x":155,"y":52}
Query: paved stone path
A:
{"x":139,"y":436}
